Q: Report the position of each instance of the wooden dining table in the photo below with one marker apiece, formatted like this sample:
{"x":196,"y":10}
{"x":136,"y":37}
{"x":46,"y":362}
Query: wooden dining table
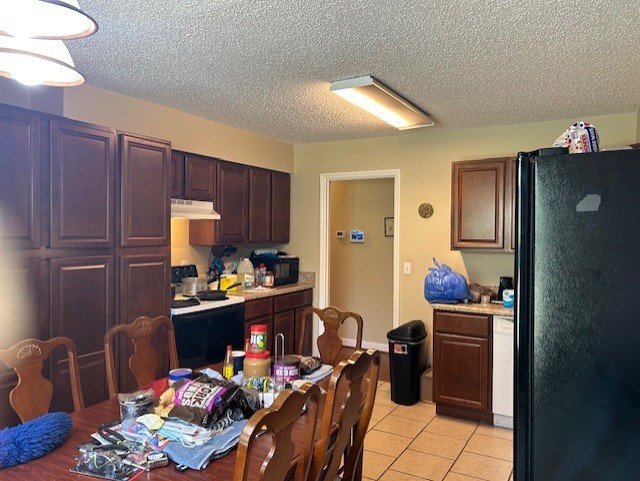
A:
{"x":56,"y":465}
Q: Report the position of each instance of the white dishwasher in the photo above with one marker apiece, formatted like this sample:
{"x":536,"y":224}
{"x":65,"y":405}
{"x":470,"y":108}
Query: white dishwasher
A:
{"x":503,"y":371}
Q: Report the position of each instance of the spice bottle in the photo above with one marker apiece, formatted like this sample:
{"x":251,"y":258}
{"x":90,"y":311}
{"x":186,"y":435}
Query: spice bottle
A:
{"x":268,"y":279}
{"x":227,"y":368}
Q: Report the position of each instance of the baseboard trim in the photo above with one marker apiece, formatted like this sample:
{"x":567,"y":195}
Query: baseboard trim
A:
{"x":367,"y":345}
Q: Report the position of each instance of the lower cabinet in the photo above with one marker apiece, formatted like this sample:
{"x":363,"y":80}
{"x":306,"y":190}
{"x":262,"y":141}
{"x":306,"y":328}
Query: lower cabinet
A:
{"x":462,"y":365}
{"x":145,"y":288}
{"x":82,"y":300}
{"x":282,"y":314}
{"x":259,"y":311}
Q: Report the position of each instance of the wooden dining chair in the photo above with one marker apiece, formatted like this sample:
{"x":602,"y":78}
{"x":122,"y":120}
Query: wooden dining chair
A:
{"x":144,"y":361}
{"x":329,"y":342}
{"x":266,"y":448}
{"x":345,"y":420}
{"x":32,"y":395}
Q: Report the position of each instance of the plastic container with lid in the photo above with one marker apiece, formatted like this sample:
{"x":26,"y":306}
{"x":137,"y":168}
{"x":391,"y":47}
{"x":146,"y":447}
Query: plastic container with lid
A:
{"x":258,"y":338}
{"x":246,"y":274}
{"x":257,"y":364}
{"x":180,"y":373}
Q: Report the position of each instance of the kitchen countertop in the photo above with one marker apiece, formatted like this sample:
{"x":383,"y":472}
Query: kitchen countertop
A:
{"x":493,"y":309}
{"x":307,"y":280}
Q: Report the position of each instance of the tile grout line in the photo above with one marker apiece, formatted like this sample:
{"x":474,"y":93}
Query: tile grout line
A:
{"x":442,"y":457}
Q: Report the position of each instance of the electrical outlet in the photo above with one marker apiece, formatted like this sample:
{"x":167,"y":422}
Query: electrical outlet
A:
{"x":184,"y":262}
{"x":407,"y":268}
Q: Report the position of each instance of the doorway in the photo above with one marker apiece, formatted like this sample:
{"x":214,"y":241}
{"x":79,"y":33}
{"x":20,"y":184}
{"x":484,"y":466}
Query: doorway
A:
{"x":360,"y":201}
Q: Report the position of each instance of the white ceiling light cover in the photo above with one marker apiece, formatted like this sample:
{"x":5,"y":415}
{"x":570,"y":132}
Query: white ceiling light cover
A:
{"x":45,"y":19}
{"x":379,"y":100}
{"x":33,"y":62}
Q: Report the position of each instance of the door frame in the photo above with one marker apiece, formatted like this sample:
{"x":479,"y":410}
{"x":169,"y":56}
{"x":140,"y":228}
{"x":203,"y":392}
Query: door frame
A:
{"x":325,"y":240}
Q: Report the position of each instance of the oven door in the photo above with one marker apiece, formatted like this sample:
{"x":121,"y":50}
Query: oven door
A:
{"x":202,"y":337}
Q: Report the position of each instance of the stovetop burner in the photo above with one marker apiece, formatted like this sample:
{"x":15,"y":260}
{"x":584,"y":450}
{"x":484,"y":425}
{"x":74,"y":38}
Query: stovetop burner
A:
{"x":192,"y":301}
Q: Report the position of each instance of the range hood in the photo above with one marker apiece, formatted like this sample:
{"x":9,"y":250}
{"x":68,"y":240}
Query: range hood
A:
{"x":193,"y":209}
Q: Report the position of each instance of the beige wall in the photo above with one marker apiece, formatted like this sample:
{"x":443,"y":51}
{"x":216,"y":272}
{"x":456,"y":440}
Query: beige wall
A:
{"x":638,"y":127}
{"x":424,"y":160}
{"x":357,"y":270}
{"x":186,"y":132}
{"x":40,"y":97}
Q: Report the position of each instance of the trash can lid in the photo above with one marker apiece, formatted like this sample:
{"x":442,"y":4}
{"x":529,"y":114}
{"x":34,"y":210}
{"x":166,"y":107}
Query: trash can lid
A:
{"x":409,"y":332}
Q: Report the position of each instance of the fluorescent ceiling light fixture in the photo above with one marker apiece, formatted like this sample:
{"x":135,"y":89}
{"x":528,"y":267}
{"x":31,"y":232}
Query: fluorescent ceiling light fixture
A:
{"x":45,"y":19}
{"x":33,"y":62}
{"x":379,"y":100}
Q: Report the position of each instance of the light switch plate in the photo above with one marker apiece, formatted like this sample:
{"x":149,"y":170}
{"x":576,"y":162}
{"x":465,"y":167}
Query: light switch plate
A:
{"x":407,"y":268}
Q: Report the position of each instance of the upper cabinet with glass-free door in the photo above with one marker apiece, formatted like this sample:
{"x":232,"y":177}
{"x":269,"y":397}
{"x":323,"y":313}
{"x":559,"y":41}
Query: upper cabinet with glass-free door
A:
{"x":481,"y":204}
{"x":20,"y":179}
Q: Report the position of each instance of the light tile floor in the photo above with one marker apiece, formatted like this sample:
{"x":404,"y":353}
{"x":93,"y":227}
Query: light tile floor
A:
{"x":412,"y":443}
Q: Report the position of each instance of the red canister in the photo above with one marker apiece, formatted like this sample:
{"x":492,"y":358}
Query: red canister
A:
{"x":258,"y":338}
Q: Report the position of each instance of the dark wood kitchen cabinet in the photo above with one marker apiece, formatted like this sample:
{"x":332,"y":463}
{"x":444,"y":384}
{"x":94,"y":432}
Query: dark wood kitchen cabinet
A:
{"x":145,"y":191}
{"x":280,"y":207}
{"x":177,"y":175}
{"x":78,"y":202}
{"x":192,"y":176}
{"x":199,"y":178}
{"x":287,"y":309}
{"x":83,"y":161}
{"x":20,"y":180}
{"x":232,"y":202}
{"x":478,"y":204}
{"x":483,"y":205}
{"x":282,"y":314}
{"x":145,"y":287}
{"x":259,"y":205}
{"x":462,"y":365}
{"x":259,"y":311}
{"x":82,"y":308}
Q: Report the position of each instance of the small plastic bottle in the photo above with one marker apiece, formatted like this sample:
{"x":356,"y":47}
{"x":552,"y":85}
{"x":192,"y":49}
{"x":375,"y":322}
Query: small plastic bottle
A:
{"x":268,"y":279}
{"x":263,"y":275}
{"x":227,"y":368}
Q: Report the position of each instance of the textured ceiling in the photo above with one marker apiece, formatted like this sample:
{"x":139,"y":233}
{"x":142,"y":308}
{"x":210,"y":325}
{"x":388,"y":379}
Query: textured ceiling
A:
{"x":265,"y":65}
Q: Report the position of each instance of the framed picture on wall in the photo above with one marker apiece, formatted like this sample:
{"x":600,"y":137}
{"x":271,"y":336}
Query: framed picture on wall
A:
{"x":388,"y":226}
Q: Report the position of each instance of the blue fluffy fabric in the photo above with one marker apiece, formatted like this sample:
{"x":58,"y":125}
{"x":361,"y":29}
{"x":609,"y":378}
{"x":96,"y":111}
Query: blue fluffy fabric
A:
{"x":33,"y":439}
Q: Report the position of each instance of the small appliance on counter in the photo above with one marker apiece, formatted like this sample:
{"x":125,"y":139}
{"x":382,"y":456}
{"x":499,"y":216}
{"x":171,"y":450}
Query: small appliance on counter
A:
{"x":505,"y":283}
{"x":285,"y":267}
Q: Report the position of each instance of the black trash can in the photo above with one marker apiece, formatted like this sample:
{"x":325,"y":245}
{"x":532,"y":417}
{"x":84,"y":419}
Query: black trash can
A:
{"x":407,"y":361}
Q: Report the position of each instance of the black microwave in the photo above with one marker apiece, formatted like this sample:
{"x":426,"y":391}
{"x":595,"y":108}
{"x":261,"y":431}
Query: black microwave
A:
{"x":285,"y":268}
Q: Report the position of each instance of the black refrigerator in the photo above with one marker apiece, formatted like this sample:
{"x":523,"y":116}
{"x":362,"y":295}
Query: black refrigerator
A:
{"x":577,"y":376}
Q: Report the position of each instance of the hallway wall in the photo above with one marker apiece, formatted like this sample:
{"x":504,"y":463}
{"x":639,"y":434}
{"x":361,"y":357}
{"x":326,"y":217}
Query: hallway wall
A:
{"x":358,"y":270}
